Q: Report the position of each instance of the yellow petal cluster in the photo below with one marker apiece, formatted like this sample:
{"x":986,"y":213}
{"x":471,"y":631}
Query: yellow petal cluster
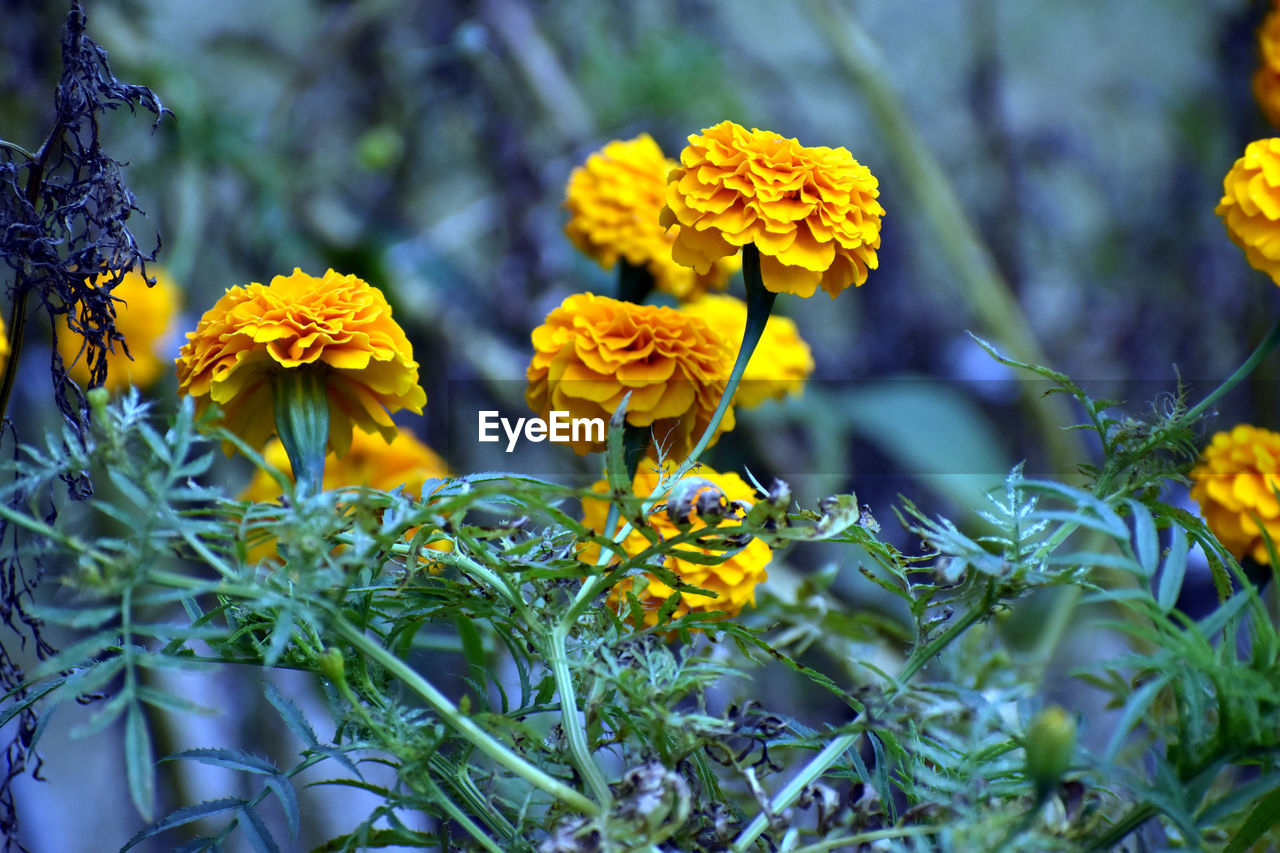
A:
{"x":593,"y":350}
{"x":370,"y":462}
{"x":146,"y":317}
{"x":1250,"y":205}
{"x":1266,"y":80}
{"x":812,"y":212}
{"x":614,"y":200}
{"x":335,"y":323}
{"x":1235,"y":484}
{"x":732,"y":582}
{"x":781,"y":362}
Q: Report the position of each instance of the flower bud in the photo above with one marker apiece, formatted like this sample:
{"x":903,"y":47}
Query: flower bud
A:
{"x":333,"y":666}
{"x":1051,"y":739}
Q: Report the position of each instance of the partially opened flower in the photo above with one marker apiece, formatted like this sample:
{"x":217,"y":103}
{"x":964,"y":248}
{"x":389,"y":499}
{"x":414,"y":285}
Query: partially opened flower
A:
{"x":145,"y":316}
{"x":781,"y":362}
{"x":1235,"y":484}
{"x":593,"y":350}
{"x":335,"y":329}
{"x":811,"y":212}
{"x":614,"y":200}
{"x":1250,"y":205}
{"x":730,"y":585}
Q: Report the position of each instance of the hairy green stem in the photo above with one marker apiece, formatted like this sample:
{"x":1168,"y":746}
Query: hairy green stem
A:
{"x":478,"y":737}
{"x":820,"y":763}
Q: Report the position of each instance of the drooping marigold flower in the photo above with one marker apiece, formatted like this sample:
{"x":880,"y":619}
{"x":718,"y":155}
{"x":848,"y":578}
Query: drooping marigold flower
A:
{"x":732,"y":583}
{"x":1250,"y":205}
{"x":812,"y":212}
{"x":335,"y":323}
{"x":781,"y":361}
{"x":1235,"y":484}
{"x":370,"y":461}
{"x":614,"y":200}
{"x":1266,"y":80}
{"x":145,"y":316}
{"x":592,"y":350}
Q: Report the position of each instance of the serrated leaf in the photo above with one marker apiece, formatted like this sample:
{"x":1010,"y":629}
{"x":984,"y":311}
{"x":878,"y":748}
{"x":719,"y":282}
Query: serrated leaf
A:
{"x":183,"y":816}
{"x":283,"y":789}
{"x":230,"y":758}
{"x":138,"y":761}
{"x":615,"y":453}
{"x":1174,"y":571}
{"x":1134,"y":710}
{"x":255,"y":829}
{"x":1146,"y":542}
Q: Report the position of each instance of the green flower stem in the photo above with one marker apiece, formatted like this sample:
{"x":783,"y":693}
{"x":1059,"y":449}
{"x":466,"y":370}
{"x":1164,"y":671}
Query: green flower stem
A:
{"x":481,"y":739}
{"x":634,"y":283}
{"x":302,"y":422}
{"x":574,"y":728}
{"x":759,"y":307}
{"x":1262,"y":351}
{"x":823,"y":760}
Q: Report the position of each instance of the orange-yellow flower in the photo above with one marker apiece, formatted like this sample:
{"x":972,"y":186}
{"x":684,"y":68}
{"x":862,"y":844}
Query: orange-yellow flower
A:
{"x":781,"y":361}
{"x":812,"y":212}
{"x":731,"y":583}
{"x":335,"y":323}
{"x":370,"y":462}
{"x":1235,"y":484}
{"x":1266,"y":80}
{"x":4,"y":345}
{"x":1250,"y":205}
{"x":145,"y":316}
{"x":614,"y":200}
{"x":592,"y":350}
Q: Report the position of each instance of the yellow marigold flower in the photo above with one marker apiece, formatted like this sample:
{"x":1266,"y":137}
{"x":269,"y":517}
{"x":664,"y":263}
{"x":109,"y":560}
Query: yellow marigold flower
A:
{"x":145,"y":317}
{"x":4,"y":345}
{"x":1235,"y":484}
{"x":614,"y":200}
{"x":812,"y":212}
{"x":335,"y":322}
{"x":732,"y":582}
{"x":371,"y":462}
{"x":781,"y":361}
{"x":592,"y":350}
{"x":1250,"y":205}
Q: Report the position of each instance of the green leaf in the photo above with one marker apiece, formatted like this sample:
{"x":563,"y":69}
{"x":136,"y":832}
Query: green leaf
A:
{"x":1134,"y":710}
{"x":138,"y":762}
{"x":293,"y":719}
{"x":1174,"y":571}
{"x":256,"y":831}
{"x":283,"y":789}
{"x":183,"y":816}
{"x":615,"y":450}
{"x":1146,"y":543}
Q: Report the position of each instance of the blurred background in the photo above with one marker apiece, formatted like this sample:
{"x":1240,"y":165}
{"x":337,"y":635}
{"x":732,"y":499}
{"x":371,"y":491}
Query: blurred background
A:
{"x":425,"y":147}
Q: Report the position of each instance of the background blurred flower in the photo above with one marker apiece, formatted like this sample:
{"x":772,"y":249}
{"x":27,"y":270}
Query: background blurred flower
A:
{"x":1235,"y":483}
{"x":1266,"y":80}
{"x":734,"y":581}
{"x":782,"y":360}
{"x":1250,"y":205}
{"x":592,"y":350}
{"x":145,"y":316}
{"x":336,"y":322}
{"x":812,"y":212}
{"x":4,"y":345}
{"x":614,"y":201}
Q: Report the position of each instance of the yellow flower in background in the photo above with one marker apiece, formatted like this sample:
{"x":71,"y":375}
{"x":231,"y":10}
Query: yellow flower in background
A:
{"x":614,"y":200}
{"x":371,"y":462}
{"x":1235,"y":484}
{"x":812,"y":212}
{"x":336,"y":323}
{"x":145,"y":316}
{"x":1266,"y":80}
{"x":592,"y":350}
{"x":733,"y":581}
{"x":781,"y":362}
{"x":1250,"y":205}
{"x":4,"y":345}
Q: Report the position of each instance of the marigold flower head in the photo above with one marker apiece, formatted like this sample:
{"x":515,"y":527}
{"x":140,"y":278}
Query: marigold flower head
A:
{"x":732,"y":582}
{"x":812,"y":212}
{"x":592,"y":350}
{"x":1235,"y":484}
{"x":781,"y":361}
{"x":1250,"y":205}
{"x":614,"y":201}
{"x":335,"y":323}
{"x":145,"y":316}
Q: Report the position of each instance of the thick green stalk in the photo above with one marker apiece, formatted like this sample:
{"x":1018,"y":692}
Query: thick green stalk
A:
{"x":449,"y":712}
{"x":301,"y":403}
{"x":574,"y":728}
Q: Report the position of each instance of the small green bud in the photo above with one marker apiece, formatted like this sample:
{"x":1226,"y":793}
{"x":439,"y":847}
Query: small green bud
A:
{"x":333,"y":666}
{"x":1051,"y":739}
{"x":97,"y":398}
